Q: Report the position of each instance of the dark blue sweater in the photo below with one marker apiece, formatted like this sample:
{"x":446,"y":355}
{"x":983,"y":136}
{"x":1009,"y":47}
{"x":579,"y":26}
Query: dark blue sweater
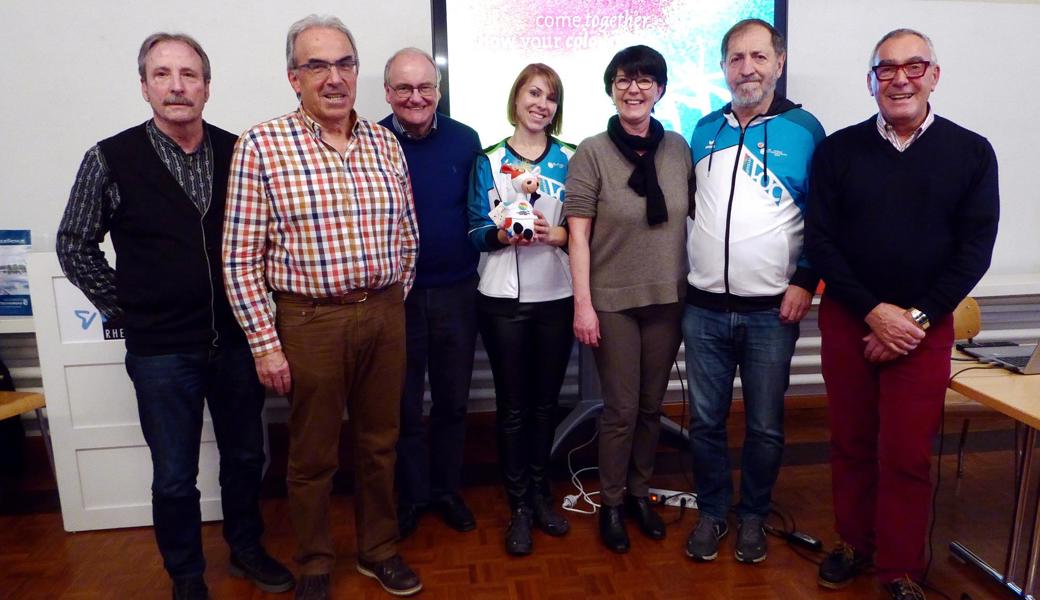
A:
{"x":913,"y":228}
{"x":439,"y":165}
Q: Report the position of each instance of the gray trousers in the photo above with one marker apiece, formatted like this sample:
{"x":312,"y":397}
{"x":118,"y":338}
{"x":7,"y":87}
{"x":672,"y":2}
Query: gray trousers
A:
{"x":634,"y":359}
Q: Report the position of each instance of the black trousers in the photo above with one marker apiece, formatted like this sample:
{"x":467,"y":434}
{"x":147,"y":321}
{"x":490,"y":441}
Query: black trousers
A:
{"x":441,"y":333}
{"x":529,"y":351}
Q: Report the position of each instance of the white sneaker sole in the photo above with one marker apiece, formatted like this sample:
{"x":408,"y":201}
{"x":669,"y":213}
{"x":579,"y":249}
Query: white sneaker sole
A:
{"x":406,"y":592}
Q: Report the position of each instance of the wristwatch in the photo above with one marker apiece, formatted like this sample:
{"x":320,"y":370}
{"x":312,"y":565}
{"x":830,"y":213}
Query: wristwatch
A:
{"x":918,"y":316}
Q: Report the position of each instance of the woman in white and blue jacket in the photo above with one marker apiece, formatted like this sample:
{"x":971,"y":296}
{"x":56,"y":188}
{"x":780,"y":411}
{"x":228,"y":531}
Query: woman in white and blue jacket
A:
{"x":524,"y":305}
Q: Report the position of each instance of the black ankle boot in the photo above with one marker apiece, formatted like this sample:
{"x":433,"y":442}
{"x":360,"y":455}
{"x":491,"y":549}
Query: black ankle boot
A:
{"x":638,"y":507}
{"x":612,"y":529}
{"x":518,"y":533}
{"x":547,"y":519}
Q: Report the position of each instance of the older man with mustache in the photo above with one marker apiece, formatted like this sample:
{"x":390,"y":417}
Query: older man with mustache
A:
{"x":158,"y":189}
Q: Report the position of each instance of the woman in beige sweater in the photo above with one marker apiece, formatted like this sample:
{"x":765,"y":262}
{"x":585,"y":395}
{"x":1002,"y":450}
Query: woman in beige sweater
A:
{"x":628,"y":192}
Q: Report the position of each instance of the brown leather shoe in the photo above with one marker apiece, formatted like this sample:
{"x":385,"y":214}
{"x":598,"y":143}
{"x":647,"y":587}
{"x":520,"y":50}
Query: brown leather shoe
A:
{"x":312,"y":587}
{"x":395,"y":576}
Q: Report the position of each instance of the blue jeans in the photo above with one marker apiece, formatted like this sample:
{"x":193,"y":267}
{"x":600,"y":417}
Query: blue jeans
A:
{"x":171,"y":390}
{"x":717,"y":343}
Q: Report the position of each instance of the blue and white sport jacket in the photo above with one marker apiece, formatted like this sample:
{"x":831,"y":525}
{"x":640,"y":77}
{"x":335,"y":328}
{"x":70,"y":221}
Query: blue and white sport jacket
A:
{"x":745,"y":243}
{"x":535,"y":273}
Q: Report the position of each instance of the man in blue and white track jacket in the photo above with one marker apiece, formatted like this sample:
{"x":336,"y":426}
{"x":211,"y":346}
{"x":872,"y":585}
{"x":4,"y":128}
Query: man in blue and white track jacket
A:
{"x":749,"y":283}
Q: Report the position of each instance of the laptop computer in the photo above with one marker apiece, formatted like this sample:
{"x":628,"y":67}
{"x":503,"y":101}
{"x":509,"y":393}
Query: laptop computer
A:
{"x":1023,"y":358}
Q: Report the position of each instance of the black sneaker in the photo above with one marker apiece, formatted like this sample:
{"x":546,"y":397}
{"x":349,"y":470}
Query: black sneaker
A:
{"x":703,"y":542}
{"x":265,"y":572}
{"x":841,"y":566}
{"x":190,"y":588}
{"x":518,"y":533}
{"x":393,"y":574}
{"x":548,"y":519}
{"x":312,"y":587}
{"x":455,"y":513}
{"x":751,"y":540}
{"x":904,"y":589}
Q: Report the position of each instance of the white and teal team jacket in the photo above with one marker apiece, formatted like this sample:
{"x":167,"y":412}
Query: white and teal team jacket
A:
{"x":747,"y":233}
{"x":535,"y":273}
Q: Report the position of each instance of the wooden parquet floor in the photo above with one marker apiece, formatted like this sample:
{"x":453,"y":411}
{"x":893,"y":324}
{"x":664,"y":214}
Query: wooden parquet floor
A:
{"x":39,"y":560}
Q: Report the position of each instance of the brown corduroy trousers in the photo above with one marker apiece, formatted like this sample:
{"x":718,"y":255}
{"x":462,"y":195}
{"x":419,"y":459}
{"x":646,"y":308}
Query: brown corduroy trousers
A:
{"x":353,"y":356}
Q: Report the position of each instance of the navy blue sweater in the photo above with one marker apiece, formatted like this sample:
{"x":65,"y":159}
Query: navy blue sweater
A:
{"x":439,"y":165}
{"x":913,"y":228}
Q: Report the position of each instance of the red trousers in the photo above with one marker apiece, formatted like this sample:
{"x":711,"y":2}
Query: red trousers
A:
{"x":883,"y":420}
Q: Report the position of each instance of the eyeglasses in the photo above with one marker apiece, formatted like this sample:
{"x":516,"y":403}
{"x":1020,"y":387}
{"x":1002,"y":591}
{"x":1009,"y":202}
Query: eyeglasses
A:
{"x":404,"y":91}
{"x":320,"y":68}
{"x":643,"y":83}
{"x":913,"y":70}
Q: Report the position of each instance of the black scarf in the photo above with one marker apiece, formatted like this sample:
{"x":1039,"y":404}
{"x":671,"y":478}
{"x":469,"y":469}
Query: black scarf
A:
{"x":643,"y":180}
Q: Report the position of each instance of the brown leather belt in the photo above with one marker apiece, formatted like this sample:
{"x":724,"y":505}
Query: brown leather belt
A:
{"x":352,"y":297}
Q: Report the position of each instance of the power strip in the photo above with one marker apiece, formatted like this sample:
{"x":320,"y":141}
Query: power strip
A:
{"x":673,"y":498}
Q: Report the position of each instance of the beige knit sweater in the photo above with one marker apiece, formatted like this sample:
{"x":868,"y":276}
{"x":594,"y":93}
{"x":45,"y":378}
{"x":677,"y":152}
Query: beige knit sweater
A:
{"x":631,"y":263}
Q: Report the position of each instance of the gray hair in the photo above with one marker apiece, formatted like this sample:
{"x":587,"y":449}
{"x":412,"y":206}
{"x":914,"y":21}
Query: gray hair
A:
{"x":775,"y":37}
{"x":161,"y":36}
{"x":900,"y":33}
{"x":310,"y":22}
{"x":414,"y":51}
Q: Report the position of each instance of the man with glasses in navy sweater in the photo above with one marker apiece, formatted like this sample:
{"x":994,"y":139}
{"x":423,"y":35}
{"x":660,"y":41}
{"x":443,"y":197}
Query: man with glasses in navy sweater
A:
{"x":440,"y":313}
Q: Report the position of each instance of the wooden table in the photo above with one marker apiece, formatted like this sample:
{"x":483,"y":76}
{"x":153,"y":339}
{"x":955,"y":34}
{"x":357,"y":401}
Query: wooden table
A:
{"x":1017,"y":396}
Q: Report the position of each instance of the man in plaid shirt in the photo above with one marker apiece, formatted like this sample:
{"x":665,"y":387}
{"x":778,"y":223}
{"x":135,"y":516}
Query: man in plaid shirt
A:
{"x":320,"y":213}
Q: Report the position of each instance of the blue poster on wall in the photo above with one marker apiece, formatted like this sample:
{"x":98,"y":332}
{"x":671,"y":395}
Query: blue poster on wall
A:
{"x":14,"y":276}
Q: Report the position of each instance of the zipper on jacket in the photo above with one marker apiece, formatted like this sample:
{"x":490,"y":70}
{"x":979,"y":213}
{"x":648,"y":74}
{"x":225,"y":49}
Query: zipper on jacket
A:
{"x":729,"y":210}
{"x":209,"y":277}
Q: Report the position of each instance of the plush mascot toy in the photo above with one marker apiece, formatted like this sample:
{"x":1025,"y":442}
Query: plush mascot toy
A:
{"x":515,"y":213}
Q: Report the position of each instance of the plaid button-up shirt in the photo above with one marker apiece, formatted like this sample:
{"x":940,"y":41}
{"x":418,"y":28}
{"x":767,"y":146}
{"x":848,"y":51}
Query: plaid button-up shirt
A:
{"x":305,"y":219}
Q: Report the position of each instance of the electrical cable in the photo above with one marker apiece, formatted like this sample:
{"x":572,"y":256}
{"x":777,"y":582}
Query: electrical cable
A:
{"x":935,"y":491}
{"x":570,"y":503}
{"x":684,"y":503}
{"x":798,"y":541}
{"x":683,"y":426}
{"x":685,"y":500}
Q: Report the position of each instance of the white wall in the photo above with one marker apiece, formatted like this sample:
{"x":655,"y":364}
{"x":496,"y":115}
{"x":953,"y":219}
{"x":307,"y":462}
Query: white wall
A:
{"x":990,"y":83}
{"x":71,"y":80}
